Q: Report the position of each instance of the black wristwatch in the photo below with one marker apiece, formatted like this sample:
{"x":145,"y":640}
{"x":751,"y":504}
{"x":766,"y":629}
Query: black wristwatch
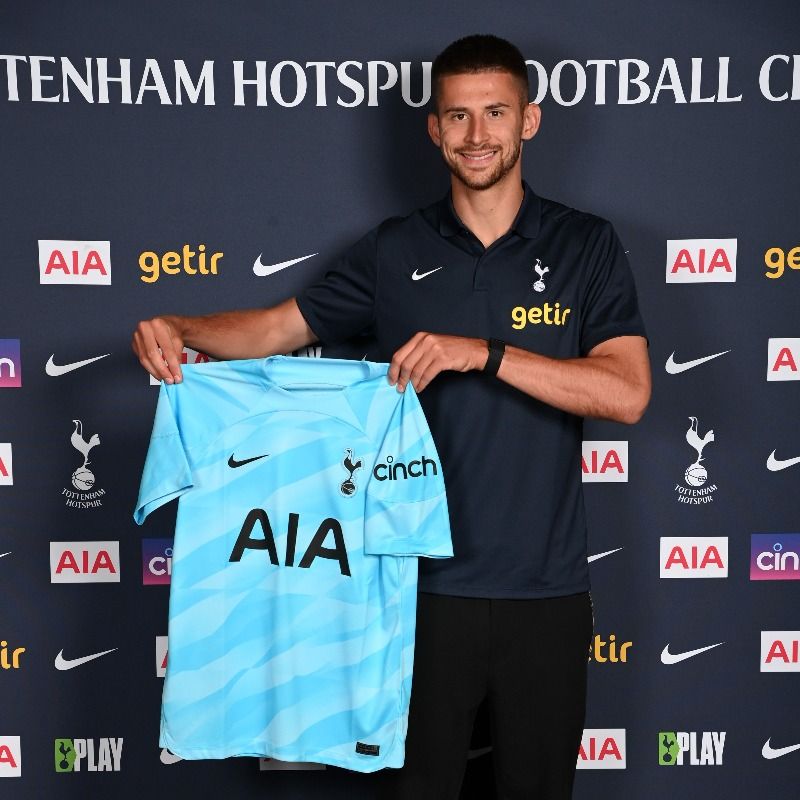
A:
{"x":496,"y":351}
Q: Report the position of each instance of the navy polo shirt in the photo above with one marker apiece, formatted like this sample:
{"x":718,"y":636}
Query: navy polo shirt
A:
{"x":558,"y":283}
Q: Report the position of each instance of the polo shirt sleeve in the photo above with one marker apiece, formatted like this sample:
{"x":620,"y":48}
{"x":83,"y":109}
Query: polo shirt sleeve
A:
{"x":342,"y":304}
{"x":610,"y":307}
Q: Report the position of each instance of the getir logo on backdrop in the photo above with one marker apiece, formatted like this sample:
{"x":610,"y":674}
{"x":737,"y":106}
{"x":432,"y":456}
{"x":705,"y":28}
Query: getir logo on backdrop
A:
{"x":156,"y":561}
{"x":780,"y":651}
{"x":604,"y":462}
{"x":783,"y":360}
{"x":775,"y":557}
{"x":777,"y":260}
{"x":82,"y":263}
{"x":84,"y":562}
{"x":188,"y":356}
{"x":704,"y":748}
{"x":10,"y":757}
{"x":694,"y":557}
{"x":162,"y":648}
{"x":10,"y":364}
{"x":608,"y":650}
{"x":701,"y":260}
{"x":602,"y":748}
{"x":88,"y":755}
{"x":192,"y":262}
{"x":6,"y":473}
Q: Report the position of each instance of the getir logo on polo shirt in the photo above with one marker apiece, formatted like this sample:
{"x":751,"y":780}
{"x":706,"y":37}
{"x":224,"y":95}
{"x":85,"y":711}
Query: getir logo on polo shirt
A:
{"x":780,"y":651}
{"x":694,"y":557}
{"x":783,"y":360}
{"x":602,"y":748}
{"x":547,"y":314}
{"x":695,"y":748}
{"x":10,"y":757}
{"x":84,"y":562}
{"x":88,"y":755}
{"x":701,"y":260}
{"x":604,"y":462}
{"x":66,"y":261}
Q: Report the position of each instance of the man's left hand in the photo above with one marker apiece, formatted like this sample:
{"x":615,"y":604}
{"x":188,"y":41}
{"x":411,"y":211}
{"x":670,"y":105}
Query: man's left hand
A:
{"x":425,"y":355}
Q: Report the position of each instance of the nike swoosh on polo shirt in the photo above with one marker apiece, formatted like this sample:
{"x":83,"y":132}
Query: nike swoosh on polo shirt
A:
{"x":670,"y":658}
{"x":767,"y":751}
{"x":268,"y":269}
{"x":70,"y":663}
{"x":416,"y":275}
{"x":674,"y":368}
{"x":54,"y":370}
{"x":777,"y":464}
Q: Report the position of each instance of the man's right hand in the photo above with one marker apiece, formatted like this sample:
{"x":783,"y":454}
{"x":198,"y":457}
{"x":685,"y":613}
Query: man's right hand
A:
{"x":158,"y":343}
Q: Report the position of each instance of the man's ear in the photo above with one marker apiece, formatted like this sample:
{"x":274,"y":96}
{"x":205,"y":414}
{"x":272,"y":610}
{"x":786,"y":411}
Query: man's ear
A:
{"x":531,"y":119}
{"x":433,"y":129}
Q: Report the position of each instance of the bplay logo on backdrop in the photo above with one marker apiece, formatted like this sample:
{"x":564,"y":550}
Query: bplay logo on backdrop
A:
{"x":6,"y":470}
{"x":776,"y":260}
{"x":188,"y":356}
{"x":602,"y":748}
{"x":605,"y":651}
{"x":173,"y":262}
{"x":780,"y":651}
{"x":10,"y":364}
{"x":701,"y":260}
{"x":88,"y":755}
{"x":10,"y":757}
{"x":783,"y":360}
{"x":162,"y":649}
{"x":84,"y":562}
{"x":74,"y":262}
{"x":703,"y":748}
{"x":87,"y":495}
{"x":604,"y":462}
{"x":775,"y":557}
{"x":156,"y":562}
{"x":697,"y":490}
{"x":694,"y":557}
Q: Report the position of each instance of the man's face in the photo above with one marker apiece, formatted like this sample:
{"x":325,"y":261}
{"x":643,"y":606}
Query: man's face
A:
{"x":480,"y":124}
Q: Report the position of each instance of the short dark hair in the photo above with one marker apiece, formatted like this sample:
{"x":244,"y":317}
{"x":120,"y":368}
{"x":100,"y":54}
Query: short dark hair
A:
{"x":480,"y":53}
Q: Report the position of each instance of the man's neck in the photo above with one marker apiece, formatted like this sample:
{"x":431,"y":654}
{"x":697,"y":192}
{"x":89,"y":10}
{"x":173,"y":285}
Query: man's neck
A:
{"x":489,"y":213}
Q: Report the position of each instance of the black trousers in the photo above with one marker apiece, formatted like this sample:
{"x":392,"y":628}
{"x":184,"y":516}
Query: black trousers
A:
{"x":528,"y":659}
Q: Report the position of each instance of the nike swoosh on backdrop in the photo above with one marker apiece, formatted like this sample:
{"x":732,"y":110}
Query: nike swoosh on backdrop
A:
{"x":70,"y":663}
{"x":598,"y":556}
{"x":55,"y":369}
{"x":767,"y":751}
{"x":776,"y":465}
{"x":267,"y":269}
{"x":169,"y":758}
{"x":669,"y":658}
{"x":233,"y":463}
{"x":416,"y":275}
{"x":3,"y":555}
{"x":673,"y":367}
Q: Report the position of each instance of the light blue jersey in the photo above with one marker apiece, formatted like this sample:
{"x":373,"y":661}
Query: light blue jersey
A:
{"x":308,"y":487}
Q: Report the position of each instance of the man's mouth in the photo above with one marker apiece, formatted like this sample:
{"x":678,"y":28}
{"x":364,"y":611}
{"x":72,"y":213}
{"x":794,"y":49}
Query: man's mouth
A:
{"x":477,"y":157}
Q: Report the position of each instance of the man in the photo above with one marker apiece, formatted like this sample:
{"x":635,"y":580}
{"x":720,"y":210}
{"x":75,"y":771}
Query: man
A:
{"x":515,"y":317}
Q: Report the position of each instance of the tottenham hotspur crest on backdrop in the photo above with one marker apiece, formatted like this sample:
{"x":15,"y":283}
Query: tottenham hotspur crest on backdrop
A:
{"x":696,"y":475}
{"x":348,"y":487}
{"x":539,"y":286}
{"x":83,"y":478}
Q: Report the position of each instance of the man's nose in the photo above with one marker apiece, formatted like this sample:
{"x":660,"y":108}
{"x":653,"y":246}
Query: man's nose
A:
{"x":477,"y":132}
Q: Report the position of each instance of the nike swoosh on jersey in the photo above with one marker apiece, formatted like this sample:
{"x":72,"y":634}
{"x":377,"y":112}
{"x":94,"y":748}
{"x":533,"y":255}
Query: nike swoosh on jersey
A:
{"x":233,"y":463}
{"x":267,"y":269}
{"x":61,"y":369}
{"x":169,"y":758}
{"x":673,"y":367}
{"x":598,"y":556}
{"x":670,"y":658}
{"x":416,"y":275}
{"x":70,"y":663}
{"x":777,"y":464}
{"x":767,"y":751}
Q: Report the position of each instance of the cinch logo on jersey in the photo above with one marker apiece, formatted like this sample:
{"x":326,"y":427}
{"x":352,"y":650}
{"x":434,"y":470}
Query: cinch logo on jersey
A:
{"x":604,"y":462}
{"x":6,"y":474}
{"x":171,"y":263}
{"x":696,"y":475}
{"x":704,"y":748}
{"x":602,"y":748}
{"x":10,"y":364}
{"x":694,"y":557}
{"x":777,"y":260}
{"x":88,"y":755}
{"x":539,"y":315}
{"x":10,"y":757}
{"x":775,"y":557}
{"x":610,"y":651}
{"x":780,"y":651}
{"x":188,"y":356}
{"x":156,"y":561}
{"x":87,"y":495}
{"x":162,"y":648}
{"x":84,"y":562}
{"x":9,"y":656}
{"x":393,"y":470}
{"x":701,"y":260}
{"x":82,"y":263}
{"x":783,"y":360}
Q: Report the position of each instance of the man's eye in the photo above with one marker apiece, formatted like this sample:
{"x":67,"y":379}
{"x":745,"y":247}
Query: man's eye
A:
{"x":494,"y":113}
{"x":459,"y":117}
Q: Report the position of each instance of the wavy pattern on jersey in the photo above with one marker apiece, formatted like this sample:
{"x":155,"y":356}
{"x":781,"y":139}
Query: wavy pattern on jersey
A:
{"x":298,"y":663}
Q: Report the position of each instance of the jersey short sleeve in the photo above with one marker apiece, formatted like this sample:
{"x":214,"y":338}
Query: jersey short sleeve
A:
{"x":610,"y":305}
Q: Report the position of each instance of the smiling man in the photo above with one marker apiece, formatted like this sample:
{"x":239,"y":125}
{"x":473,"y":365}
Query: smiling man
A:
{"x":514,"y":317}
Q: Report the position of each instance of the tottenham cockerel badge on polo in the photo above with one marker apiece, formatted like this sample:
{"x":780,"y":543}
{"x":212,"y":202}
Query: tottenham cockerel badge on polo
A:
{"x":538,"y":285}
{"x":83,"y":480}
{"x":696,"y":489}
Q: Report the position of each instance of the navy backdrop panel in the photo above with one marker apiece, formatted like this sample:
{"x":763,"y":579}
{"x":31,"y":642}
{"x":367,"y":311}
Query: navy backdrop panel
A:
{"x":679,"y":122}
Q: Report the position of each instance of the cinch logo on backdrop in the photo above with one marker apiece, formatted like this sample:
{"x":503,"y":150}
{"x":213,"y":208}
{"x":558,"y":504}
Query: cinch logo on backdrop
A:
{"x":188,"y":356}
{"x":156,"y":561}
{"x":694,"y":557}
{"x":162,"y":648}
{"x":89,"y":755}
{"x":783,"y":358}
{"x":10,"y":757}
{"x":701,"y":260}
{"x":610,"y":651}
{"x":775,"y":557}
{"x":704,"y":748}
{"x":10,"y":364}
{"x":777,"y":260}
{"x":604,"y":462}
{"x":192,"y":262}
{"x":6,"y":471}
{"x":65,"y":261}
{"x":780,"y":651}
{"x":84,"y":562}
{"x":602,"y":748}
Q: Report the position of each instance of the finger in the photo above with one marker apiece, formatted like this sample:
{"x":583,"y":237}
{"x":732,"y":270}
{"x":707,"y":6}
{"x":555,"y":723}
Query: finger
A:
{"x":400,"y":355}
{"x":151,"y":351}
{"x":433,"y":367}
{"x":409,"y":364}
{"x":171,"y":349}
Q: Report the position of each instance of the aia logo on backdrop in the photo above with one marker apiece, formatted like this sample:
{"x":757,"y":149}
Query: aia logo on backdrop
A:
{"x":188,"y":356}
{"x":156,"y":561}
{"x":696,"y":488}
{"x":695,"y":748}
{"x":162,"y":648}
{"x":775,"y":557}
{"x":84,"y":562}
{"x":6,"y":473}
{"x":701,"y":260}
{"x":783,"y":360}
{"x":73,"y":262}
{"x":694,"y":557}
{"x":10,"y":364}
{"x":10,"y":757}
{"x":86,"y":494}
{"x":602,"y":748}
{"x":780,"y":651}
{"x":604,"y":462}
